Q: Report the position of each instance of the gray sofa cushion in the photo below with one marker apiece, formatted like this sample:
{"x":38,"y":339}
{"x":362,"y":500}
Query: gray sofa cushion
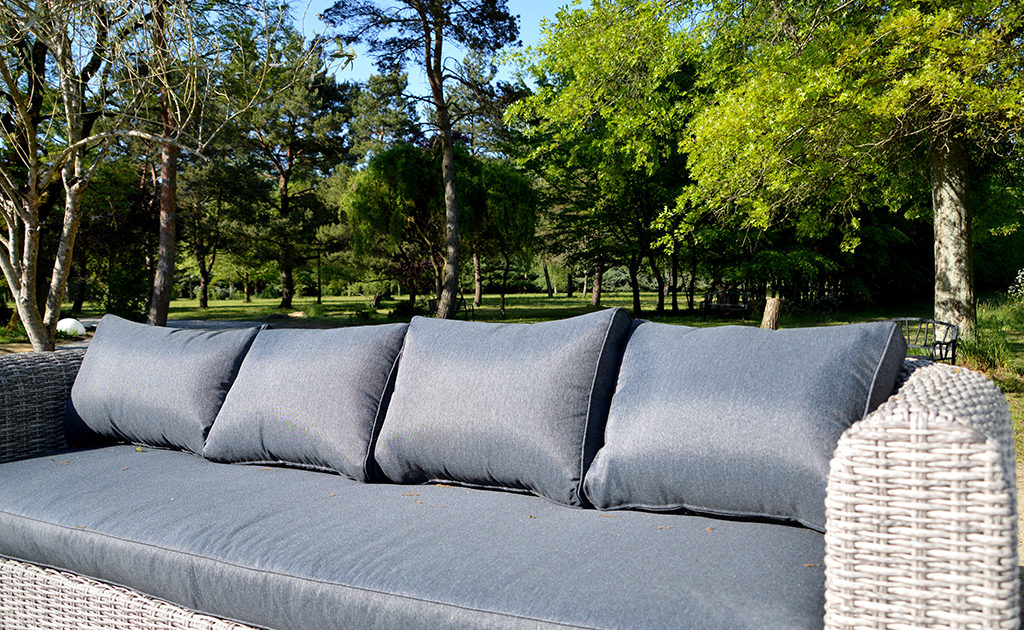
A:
{"x":310,"y":398}
{"x":738,"y":421}
{"x":154,"y":385}
{"x":515,"y":406}
{"x":293,"y":549}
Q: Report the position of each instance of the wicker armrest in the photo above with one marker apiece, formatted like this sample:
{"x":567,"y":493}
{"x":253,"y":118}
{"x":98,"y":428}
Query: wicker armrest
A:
{"x":921,"y":513}
{"x":34,"y":388}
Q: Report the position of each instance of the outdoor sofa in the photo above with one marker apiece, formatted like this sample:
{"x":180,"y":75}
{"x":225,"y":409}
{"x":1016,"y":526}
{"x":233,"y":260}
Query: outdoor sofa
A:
{"x":594,"y":472}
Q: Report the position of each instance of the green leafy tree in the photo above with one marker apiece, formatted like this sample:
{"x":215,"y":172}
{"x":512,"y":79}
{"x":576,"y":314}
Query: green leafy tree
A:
{"x":506,"y":226}
{"x":600,"y":130}
{"x":421,"y":29}
{"x":216,"y":197}
{"x":297,"y":133}
{"x":828,"y":105}
{"x":395,"y":211}
{"x":383,"y":115}
{"x":115,"y":241}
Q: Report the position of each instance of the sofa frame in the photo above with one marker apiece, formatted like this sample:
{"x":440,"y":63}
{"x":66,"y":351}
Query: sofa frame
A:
{"x":921,"y":514}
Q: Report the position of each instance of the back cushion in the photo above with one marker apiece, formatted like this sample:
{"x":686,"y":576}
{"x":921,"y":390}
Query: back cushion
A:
{"x":512,"y":406}
{"x":310,"y":398}
{"x":738,"y":421}
{"x":154,"y":385}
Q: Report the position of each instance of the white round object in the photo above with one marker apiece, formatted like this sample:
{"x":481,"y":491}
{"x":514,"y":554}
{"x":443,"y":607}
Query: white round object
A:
{"x":71,"y":326}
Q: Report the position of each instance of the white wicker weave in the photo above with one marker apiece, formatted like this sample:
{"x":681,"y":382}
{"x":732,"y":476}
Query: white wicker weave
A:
{"x":37,"y":598}
{"x":921,"y":514}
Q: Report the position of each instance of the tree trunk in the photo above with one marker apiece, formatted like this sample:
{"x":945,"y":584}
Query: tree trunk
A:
{"x":504,"y":285}
{"x":78,"y":296}
{"x":691,"y":288}
{"x":204,"y":290}
{"x":163,"y":281}
{"x":954,"y":281}
{"x":25,"y":291}
{"x":205,"y":271}
{"x":547,"y":282}
{"x":659,"y":279}
{"x":247,"y":287}
{"x":586,"y":283}
{"x":478,"y":281}
{"x":675,"y":281}
{"x":634,"y":284}
{"x":320,"y":286}
{"x":595,"y":297}
{"x":570,"y":290}
{"x":287,"y":283}
{"x":770,"y":320}
{"x":434,"y":64}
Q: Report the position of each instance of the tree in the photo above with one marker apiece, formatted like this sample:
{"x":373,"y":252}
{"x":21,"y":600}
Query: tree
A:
{"x":295,"y":132}
{"x":509,"y":221}
{"x":161,"y":60}
{"x":394,"y":209}
{"x":830,"y":104}
{"x":60,"y":73}
{"x":383,"y":115}
{"x":189,"y":60}
{"x":216,"y":195}
{"x":115,"y":245}
{"x":75,"y":78}
{"x":600,"y":131}
{"x":420,"y":29}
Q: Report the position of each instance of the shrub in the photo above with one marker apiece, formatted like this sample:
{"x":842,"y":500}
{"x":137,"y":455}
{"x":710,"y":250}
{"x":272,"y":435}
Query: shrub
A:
{"x":314,"y":310}
{"x":1016,"y":291}
{"x":988,"y":349}
{"x":405,"y":310}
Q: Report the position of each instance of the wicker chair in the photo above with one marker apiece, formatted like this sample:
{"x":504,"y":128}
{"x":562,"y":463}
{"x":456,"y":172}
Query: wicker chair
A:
{"x":921,"y":511}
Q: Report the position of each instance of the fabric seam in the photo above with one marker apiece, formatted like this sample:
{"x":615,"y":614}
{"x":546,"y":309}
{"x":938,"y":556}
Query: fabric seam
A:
{"x":878,"y":367}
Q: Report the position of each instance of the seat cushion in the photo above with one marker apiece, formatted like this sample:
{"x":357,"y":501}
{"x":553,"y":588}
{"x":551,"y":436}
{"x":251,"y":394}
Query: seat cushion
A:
{"x":154,"y":385}
{"x":738,"y":421}
{"x":294,"y":549}
{"x":311,"y":398}
{"x":514,"y":406}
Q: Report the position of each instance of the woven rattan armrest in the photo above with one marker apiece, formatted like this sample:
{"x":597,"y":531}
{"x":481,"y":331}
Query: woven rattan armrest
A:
{"x":921,"y":514}
{"x":34,"y":388}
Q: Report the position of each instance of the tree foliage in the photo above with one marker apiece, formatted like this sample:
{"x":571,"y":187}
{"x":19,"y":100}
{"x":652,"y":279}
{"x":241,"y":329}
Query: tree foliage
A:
{"x":419,"y":30}
{"x":296,"y":135}
{"x":76,"y":77}
{"x":600,"y":129}
{"x":834,"y":109}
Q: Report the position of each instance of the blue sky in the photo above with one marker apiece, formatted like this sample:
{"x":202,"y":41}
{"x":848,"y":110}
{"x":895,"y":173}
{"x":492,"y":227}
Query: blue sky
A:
{"x":530,"y":12}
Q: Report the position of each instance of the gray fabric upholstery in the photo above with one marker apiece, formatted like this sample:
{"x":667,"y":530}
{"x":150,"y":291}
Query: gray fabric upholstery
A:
{"x":310,"y":398}
{"x":293,"y":549}
{"x":517,"y":406}
{"x":154,"y":385}
{"x":738,"y":421}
